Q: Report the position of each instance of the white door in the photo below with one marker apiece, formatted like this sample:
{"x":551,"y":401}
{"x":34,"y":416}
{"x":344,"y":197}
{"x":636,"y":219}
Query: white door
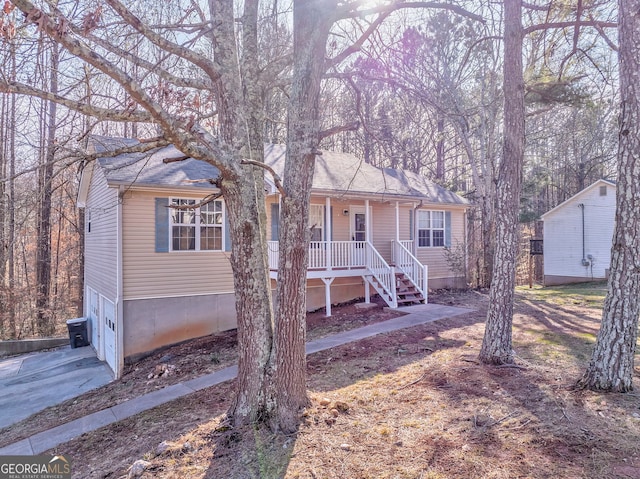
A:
{"x":109,"y":324}
{"x":358,"y":234}
{"x":94,"y":314}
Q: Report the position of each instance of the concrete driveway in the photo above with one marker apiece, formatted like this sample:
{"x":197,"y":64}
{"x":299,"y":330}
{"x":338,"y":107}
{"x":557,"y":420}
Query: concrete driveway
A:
{"x":31,"y":382}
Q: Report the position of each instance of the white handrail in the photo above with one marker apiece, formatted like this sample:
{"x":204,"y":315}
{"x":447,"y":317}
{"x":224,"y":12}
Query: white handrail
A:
{"x":406,"y":262}
{"x":383,"y":273}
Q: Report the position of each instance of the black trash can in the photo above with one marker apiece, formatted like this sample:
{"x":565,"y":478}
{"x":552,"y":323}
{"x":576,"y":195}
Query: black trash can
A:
{"x":78,"y":332}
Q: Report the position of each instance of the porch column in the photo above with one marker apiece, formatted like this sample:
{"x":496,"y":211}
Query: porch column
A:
{"x":327,"y":294}
{"x":367,"y":221}
{"x":398,"y":221}
{"x":414,"y":233}
{"x":367,"y":291}
{"x":327,"y":225}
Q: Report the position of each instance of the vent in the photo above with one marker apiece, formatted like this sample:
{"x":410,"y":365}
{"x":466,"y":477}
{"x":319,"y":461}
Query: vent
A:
{"x":603,"y":190}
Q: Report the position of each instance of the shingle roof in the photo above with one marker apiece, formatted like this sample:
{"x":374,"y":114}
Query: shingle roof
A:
{"x":345,"y":173}
{"x":149,"y":169}
{"x":336,"y":173}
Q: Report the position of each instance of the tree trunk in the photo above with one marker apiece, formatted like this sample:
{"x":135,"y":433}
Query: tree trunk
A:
{"x":240,"y":110}
{"x":3,"y":217}
{"x":311,"y":29}
{"x":496,"y":345}
{"x":440,"y":160}
{"x":611,"y":366}
{"x":43,"y":248}
{"x":244,"y":199}
{"x":11,"y":231}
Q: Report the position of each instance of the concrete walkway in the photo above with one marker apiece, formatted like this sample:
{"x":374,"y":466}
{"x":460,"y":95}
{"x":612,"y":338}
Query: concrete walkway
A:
{"x":38,"y":443}
{"x":32,"y":382}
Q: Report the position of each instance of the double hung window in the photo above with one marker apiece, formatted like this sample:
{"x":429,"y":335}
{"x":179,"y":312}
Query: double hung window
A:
{"x":196,"y":229}
{"x":431,"y":228}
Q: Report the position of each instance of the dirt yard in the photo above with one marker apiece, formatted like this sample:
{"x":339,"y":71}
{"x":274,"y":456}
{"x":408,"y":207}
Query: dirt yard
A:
{"x":410,"y":404}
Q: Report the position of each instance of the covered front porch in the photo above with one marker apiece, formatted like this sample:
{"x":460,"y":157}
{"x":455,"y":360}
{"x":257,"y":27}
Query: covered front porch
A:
{"x":399,"y":278}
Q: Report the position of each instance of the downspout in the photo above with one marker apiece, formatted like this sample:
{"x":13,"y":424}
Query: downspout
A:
{"x":415,"y":228}
{"x":119,"y":305}
{"x":585,"y":262}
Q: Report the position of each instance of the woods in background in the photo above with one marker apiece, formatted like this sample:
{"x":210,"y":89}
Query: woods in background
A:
{"x":425,"y":90}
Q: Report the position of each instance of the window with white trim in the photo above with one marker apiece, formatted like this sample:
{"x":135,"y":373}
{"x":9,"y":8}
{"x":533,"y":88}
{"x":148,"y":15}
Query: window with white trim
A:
{"x":430,"y":228}
{"x":316,"y":222}
{"x":197,"y":229}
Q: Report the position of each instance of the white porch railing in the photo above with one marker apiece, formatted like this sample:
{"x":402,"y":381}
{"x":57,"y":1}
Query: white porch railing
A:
{"x":383,"y":274}
{"x":408,"y":244}
{"x":328,"y":254}
{"x":410,"y":266}
{"x":346,"y":255}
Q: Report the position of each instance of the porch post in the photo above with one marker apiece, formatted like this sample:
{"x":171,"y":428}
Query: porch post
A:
{"x":367,"y":291}
{"x":398,"y":221}
{"x":327,"y":225}
{"x":367,"y":221}
{"x":327,"y":294}
{"x":414,"y":233}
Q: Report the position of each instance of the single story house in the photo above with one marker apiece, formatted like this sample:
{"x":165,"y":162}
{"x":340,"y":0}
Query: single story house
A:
{"x":156,"y":276}
{"x":578,"y":235}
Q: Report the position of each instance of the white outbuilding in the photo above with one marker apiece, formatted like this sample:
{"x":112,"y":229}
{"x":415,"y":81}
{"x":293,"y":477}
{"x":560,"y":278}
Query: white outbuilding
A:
{"x":578,"y":236}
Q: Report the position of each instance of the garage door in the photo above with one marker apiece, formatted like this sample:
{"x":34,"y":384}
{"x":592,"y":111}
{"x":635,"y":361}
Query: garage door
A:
{"x":109,"y":324}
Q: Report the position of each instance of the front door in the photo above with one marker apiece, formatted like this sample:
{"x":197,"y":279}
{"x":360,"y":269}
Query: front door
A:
{"x":358,"y":234}
{"x":109,"y":324}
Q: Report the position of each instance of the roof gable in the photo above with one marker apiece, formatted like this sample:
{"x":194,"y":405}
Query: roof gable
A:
{"x":577,"y":195}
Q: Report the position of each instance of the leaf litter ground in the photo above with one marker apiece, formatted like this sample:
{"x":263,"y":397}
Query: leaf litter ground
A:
{"x":411,"y":404}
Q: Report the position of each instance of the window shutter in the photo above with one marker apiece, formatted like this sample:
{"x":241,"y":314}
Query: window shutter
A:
{"x":162,"y":225}
{"x":275,"y":221}
{"x":447,"y":229}
{"x":227,"y":229}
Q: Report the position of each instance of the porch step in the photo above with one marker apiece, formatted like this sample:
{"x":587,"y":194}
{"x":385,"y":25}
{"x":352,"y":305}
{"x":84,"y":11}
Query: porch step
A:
{"x":406,"y":292}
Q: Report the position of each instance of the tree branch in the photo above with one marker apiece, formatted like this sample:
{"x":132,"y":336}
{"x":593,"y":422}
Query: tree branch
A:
{"x":582,"y":23}
{"x":200,"y":60}
{"x":90,"y":110}
{"x":276,"y":178}
{"x":143,"y":147}
{"x":353,"y":126}
{"x":195,"y":83}
{"x":348,"y":12}
{"x":177,"y":130}
{"x":204,"y":201}
{"x":355,"y":47}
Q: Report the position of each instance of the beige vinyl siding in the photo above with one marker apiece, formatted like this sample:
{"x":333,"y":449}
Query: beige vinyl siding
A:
{"x":434,"y":257}
{"x":148,"y":274}
{"x":101,"y":214}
